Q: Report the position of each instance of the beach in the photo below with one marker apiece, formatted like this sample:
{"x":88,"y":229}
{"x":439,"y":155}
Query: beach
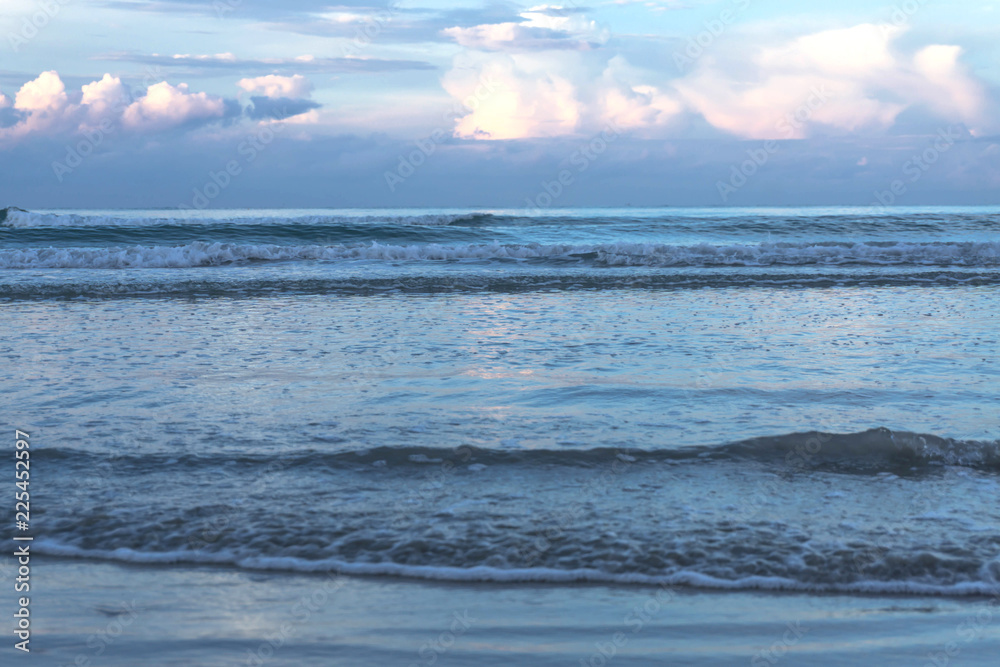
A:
{"x":92,"y":613}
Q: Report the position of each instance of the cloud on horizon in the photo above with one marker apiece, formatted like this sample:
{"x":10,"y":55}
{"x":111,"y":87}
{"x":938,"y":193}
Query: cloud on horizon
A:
{"x":44,"y":108}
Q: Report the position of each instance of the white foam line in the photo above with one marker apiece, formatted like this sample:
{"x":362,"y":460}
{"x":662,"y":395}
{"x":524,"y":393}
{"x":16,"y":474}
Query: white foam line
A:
{"x":515,"y":575}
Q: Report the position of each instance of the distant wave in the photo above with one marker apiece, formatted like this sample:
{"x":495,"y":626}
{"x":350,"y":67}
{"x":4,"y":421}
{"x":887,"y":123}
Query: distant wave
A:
{"x":19,"y":218}
{"x":712,"y":222}
{"x":219,"y":284}
{"x":199,"y":254}
{"x":10,"y":213}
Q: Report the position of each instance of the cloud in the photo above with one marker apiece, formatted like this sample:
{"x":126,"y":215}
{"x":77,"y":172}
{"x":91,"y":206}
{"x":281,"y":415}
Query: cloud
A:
{"x":514,"y":97}
{"x":43,"y":107}
{"x":949,"y":89}
{"x":839,"y":81}
{"x":8,"y":115}
{"x":392,"y":24}
{"x":195,"y":65}
{"x":634,"y":106}
{"x":844,"y":80}
{"x":166,"y":106}
{"x":266,"y":9}
{"x":40,"y":105}
{"x":540,"y":28}
{"x":105,"y":96}
{"x":283,"y":98}
{"x":280,"y":108}
{"x":276,"y":86}
{"x":858,"y":51}
{"x":546,"y":77}
{"x":524,"y":95}
{"x":500,"y":174}
{"x":46,"y":94}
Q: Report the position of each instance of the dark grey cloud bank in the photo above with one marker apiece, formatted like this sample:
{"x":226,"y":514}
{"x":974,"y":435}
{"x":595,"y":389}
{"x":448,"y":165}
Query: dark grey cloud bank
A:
{"x":351,"y":171}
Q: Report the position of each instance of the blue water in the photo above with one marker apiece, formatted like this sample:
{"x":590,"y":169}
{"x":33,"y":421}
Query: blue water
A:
{"x":729,"y":398}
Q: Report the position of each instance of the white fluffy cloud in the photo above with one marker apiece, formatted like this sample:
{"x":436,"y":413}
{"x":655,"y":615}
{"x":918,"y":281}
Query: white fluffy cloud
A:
{"x":275,"y":86}
{"x":45,"y":94}
{"x":104,"y":97}
{"x":843,"y":80}
{"x":859,"y":51}
{"x":166,"y":106}
{"x":550,"y":94}
{"x":846,"y":80}
{"x":44,"y":107}
{"x":512,"y":97}
{"x":949,"y":88}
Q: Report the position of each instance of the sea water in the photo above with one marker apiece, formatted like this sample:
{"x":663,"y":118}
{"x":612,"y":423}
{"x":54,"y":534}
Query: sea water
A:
{"x":800,"y":399}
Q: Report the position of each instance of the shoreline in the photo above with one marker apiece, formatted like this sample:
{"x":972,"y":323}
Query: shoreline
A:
{"x":508,"y":577}
{"x":88,"y":612}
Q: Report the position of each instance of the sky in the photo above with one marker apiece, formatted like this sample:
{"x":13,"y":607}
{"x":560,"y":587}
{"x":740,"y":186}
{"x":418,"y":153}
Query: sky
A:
{"x":311,"y":103}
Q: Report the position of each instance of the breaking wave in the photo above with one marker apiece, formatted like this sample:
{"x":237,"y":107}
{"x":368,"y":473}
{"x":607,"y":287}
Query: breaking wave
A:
{"x":203,"y":254}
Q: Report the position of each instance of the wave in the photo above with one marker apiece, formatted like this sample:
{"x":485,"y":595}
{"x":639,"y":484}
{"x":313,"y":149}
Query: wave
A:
{"x":453,"y":514}
{"x":19,"y":218}
{"x":872,"y":451}
{"x":515,"y":283}
{"x":11,"y":213}
{"x":778,"y":222}
{"x":204,"y":254}
{"x":849,"y":580}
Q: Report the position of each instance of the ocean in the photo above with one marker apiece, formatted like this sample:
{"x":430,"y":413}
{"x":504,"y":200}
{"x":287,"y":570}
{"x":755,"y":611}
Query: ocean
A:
{"x":731,"y":400}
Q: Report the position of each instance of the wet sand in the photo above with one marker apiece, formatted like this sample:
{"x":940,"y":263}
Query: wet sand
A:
{"x":94,"y":613}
